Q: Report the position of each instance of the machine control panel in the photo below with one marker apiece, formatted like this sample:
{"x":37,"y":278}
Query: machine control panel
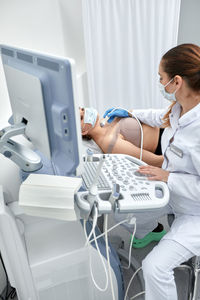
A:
{"x":136,"y":191}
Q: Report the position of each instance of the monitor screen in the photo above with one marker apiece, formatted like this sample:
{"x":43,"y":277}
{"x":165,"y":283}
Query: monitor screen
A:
{"x":43,"y":95}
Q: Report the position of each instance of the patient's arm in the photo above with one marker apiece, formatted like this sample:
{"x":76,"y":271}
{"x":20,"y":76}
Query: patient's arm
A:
{"x":125,"y":147}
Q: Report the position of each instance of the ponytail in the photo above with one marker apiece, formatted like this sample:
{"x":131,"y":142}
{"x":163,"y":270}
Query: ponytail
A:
{"x":165,"y":119}
{"x":182,"y":60}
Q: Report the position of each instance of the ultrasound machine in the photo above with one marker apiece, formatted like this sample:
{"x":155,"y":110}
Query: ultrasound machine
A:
{"x":48,"y":239}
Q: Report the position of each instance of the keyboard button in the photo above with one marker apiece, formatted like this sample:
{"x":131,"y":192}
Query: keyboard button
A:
{"x":136,"y":173}
{"x":126,"y":182}
{"x":131,"y":188}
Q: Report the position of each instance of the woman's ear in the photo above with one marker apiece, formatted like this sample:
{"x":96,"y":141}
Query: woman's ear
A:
{"x":178,"y":80}
{"x":84,"y":131}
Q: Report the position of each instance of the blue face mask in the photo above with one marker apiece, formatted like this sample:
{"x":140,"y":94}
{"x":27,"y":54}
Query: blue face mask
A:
{"x":166,"y":95}
{"x":90,"y":116}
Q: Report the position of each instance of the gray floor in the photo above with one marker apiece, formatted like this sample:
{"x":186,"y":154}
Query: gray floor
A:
{"x":120,"y":233}
{"x":181,"y":275}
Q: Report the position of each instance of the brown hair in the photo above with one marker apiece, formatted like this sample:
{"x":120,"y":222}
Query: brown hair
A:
{"x":86,"y":137}
{"x":182,"y":60}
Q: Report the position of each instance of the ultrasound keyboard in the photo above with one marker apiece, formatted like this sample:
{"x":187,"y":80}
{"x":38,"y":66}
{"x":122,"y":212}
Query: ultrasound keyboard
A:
{"x":136,"y":191}
{"x":90,"y":169}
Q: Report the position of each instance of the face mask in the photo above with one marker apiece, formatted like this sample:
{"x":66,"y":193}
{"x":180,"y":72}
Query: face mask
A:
{"x":166,"y":95}
{"x":90,"y":116}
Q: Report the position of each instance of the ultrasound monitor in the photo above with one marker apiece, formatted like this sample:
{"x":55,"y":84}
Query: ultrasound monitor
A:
{"x":43,"y":98}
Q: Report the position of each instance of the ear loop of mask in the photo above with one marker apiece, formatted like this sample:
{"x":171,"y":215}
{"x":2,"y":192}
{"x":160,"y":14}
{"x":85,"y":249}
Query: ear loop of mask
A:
{"x":169,"y":82}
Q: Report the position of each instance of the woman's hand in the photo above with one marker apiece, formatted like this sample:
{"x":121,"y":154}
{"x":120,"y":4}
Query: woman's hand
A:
{"x":112,"y":113}
{"x":154,"y":173}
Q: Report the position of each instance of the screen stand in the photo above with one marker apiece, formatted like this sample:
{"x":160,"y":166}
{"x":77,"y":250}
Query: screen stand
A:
{"x":24,"y":157}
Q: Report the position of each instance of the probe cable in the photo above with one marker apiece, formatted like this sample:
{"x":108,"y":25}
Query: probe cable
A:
{"x":99,"y":252}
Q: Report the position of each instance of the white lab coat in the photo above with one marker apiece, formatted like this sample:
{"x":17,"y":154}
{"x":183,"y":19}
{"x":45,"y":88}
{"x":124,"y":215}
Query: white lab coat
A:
{"x":183,"y":162}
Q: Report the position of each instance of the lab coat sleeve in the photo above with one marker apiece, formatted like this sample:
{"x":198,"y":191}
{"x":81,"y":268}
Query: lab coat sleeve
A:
{"x":187,"y":185}
{"x":151,"y":117}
